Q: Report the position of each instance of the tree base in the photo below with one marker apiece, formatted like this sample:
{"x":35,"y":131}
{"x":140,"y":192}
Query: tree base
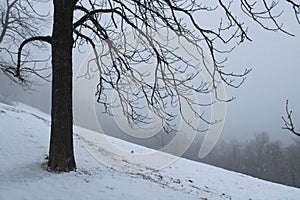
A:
{"x":61,"y":164}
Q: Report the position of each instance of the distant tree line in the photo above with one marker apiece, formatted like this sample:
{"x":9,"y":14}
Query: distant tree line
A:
{"x":261,"y":158}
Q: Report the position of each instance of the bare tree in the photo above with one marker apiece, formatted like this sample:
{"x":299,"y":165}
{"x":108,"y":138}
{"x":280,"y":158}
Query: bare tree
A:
{"x":104,"y":26}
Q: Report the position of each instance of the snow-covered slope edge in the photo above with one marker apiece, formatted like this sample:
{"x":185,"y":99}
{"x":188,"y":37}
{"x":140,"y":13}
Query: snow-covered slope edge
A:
{"x":24,"y":139}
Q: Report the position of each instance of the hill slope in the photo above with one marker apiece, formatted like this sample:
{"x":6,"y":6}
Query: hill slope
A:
{"x":24,"y":134}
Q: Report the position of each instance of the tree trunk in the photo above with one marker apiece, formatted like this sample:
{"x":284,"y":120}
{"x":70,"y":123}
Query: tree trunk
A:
{"x":61,"y":154}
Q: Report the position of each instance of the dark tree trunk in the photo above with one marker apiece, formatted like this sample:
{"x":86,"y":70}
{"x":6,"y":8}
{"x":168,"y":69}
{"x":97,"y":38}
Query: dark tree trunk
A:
{"x":61,"y":154}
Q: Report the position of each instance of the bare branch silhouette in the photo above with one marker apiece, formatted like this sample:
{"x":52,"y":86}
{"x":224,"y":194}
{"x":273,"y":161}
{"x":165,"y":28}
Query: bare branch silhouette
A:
{"x":288,"y":120}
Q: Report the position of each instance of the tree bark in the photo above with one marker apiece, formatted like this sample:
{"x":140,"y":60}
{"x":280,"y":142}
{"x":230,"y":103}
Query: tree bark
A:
{"x":61,"y":153}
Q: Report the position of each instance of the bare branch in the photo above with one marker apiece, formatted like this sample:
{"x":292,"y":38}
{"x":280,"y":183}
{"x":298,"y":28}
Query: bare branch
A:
{"x":264,"y":16}
{"x":109,"y":24}
{"x":19,"y":20}
{"x":288,"y":121}
{"x":296,"y":8}
{"x":37,"y":38}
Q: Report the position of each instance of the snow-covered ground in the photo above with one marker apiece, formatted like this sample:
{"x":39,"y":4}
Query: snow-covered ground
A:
{"x":24,"y":136}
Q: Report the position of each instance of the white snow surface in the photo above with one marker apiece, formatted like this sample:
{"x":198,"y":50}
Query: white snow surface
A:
{"x":24,"y":138}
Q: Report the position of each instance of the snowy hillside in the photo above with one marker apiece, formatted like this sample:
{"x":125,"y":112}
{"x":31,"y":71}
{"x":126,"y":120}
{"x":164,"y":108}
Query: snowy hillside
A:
{"x":24,"y":134}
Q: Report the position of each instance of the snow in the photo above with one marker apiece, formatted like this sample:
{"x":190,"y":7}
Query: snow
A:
{"x":24,"y":134}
